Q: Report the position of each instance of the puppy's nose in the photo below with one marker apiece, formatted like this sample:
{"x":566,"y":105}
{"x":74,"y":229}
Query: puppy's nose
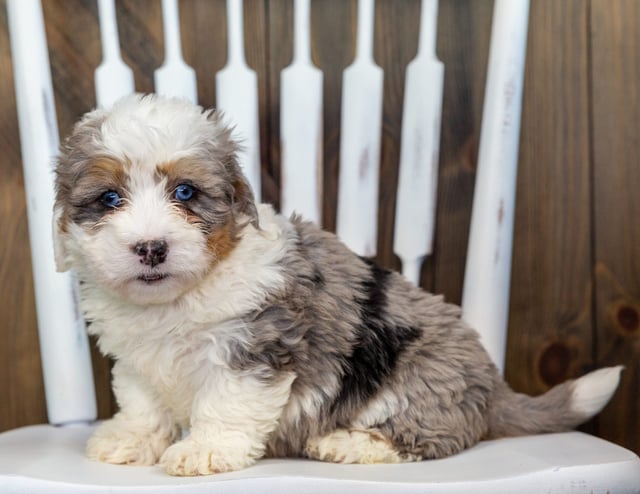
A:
{"x":151,"y":252}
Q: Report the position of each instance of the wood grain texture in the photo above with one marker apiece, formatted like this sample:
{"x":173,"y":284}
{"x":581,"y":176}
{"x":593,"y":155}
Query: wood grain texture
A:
{"x":551,"y":335}
{"x":615,"y":72}
{"x":464,"y":29}
{"x":575,"y":299}
{"x":256,"y":31}
{"x":393,"y":53}
{"x":333,"y":49}
{"x":280,"y":35}
{"x":203,"y":29}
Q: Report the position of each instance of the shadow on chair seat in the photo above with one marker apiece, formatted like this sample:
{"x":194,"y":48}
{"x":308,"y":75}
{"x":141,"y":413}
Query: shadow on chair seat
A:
{"x":51,"y":460}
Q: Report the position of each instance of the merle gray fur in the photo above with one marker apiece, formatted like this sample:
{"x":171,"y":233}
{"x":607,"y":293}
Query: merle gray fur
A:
{"x":350,"y":330}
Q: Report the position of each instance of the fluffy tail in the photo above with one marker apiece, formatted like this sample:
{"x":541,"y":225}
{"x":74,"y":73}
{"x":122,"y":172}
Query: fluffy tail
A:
{"x":562,"y":408}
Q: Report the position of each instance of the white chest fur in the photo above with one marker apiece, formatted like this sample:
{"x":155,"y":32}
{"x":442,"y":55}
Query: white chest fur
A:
{"x":173,"y":347}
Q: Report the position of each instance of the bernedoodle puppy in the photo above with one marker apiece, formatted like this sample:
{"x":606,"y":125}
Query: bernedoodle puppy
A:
{"x":259,"y":334}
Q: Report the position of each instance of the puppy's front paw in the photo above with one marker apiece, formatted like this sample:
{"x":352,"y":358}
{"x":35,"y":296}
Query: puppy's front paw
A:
{"x":190,"y":457}
{"x":112,"y":444}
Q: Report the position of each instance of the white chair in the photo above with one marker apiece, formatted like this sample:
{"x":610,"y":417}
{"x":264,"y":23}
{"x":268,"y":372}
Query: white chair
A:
{"x":50,"y":458}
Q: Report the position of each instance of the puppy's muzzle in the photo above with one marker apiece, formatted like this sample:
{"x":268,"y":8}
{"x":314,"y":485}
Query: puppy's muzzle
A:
{"x":151,"y":252}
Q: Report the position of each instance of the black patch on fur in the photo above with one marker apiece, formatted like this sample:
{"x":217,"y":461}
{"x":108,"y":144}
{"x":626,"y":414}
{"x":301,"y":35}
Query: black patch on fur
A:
{"x":378,"y":345}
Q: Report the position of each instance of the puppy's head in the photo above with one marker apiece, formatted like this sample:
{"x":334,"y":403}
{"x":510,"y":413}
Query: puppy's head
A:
{"x":149,"y":198}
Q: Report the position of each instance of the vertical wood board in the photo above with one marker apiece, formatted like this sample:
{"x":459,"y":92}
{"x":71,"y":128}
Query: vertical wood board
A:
{"x":550,"y":337}
{"x":615,"y":72}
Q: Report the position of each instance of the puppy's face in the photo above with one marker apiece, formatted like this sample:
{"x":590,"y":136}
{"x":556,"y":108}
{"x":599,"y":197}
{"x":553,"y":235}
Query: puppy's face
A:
{"x":149,"y":197}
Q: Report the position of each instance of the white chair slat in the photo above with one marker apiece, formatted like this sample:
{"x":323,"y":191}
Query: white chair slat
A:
{"x":237,"y":97}
{"x":174,"y":78}
{"x":113,"y":78}
{"x":419,"y":150}
{"x":301,"y":125}
{"x":66,"y":363}
{"x":485,"y":299}
{"x":357,"y":222}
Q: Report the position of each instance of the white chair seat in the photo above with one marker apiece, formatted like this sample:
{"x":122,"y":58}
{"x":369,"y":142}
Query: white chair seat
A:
{"x":50,"y":460}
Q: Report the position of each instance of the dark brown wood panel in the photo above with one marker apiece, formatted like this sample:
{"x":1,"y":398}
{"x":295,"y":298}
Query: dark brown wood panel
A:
{"x":203,"y":29}
{"x":393,"y":53}
{"x":550,"y":332}
{"x":280,"y":42}
{"x":333,"y":49}
{"x":464,"y":29}
{"x":615,"y":72}
{"x":256,"y":32}
{"x":551,"y":328}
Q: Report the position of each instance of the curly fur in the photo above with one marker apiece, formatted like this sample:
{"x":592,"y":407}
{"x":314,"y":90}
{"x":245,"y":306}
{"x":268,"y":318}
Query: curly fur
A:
{"x":262,"y":335}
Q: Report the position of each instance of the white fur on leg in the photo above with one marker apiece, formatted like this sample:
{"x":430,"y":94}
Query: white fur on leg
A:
{"x":354,"y":446}
{"x":232,"y":418}
{"x":140,"y":432}
{"x":128,"y":442}
{"x":593,"y":391}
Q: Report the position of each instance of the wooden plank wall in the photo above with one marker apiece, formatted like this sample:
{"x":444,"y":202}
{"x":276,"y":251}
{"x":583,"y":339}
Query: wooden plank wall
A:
{"x":576,"y":268}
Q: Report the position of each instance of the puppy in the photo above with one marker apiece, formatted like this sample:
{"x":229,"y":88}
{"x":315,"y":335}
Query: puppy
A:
{"x":261,"y":335}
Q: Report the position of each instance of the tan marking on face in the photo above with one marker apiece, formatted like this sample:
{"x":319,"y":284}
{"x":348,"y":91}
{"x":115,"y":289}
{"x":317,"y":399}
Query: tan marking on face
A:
{"x":221,"y":242}
{"x":203,"y":175}
{"x":93,"y":178}
{"x":99,"y":175}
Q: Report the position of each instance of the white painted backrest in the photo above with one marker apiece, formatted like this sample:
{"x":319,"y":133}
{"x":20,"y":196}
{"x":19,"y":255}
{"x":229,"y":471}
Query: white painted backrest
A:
{"x":301,"y":124}
{"x":66,"y":362}
{"x":113,"y":78}
{"x":237,"y":97}
{"x":360,"y":129}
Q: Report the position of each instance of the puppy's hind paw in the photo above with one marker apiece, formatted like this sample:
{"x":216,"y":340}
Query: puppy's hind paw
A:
{"x":354,"y":446}
{"x":189,"y":457}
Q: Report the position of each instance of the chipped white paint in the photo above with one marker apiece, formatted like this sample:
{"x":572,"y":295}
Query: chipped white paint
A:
{"x":485,"y":299}
{"x":174,"y":77}
{"x":419,"y":150}
{"x":301,"y":124}
{"x":113,"y":78}
{"x":66,"y":365}
{"x":237,"y":97}
{"x":357,"y":223}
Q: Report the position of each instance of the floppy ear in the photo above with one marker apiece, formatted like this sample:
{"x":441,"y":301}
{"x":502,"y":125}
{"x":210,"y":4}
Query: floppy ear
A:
{"x":243,"y":201}
{"x":226,"y":147}
{"x":59,"y":251}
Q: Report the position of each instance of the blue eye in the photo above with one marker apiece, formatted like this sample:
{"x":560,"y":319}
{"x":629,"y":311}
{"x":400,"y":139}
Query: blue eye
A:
{"x":110,"y":199}
{"x":184,"y":192}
